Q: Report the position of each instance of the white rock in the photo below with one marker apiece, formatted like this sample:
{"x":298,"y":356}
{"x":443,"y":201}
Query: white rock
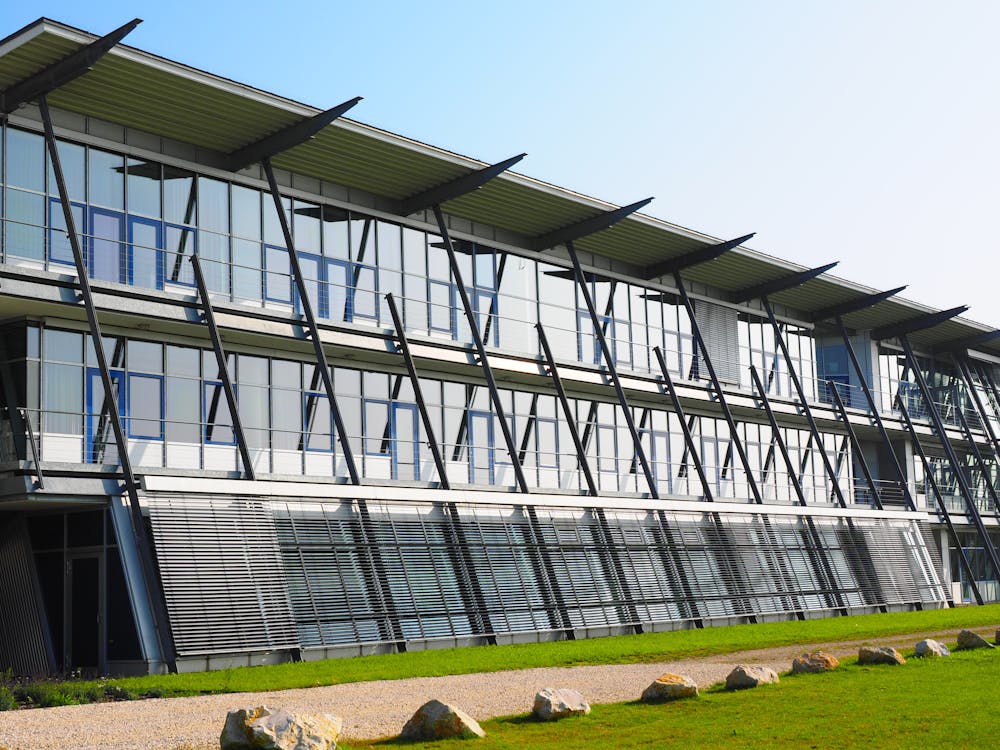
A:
{"x":555,"y":703}
{"x":930,"y":647}
{"x":670,"y":687}
{"x":436,"y":721}
{"x":264,"y":728}
{"x":750,"y":676}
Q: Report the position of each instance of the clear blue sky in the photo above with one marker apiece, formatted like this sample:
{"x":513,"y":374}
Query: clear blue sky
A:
{"x":865,"y":132}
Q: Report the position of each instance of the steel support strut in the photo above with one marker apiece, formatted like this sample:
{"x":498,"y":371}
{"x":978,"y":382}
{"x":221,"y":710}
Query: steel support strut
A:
{"x":693,"y":452}
{"x":790,"y":467}
{"x":804,"y":403}
{"x":978,"y":457}
{"x":876,"y":416}
{"x":581,"y":282}
{"x":581,"y":451}
{"x":149,"y":575}
{"x":484,"y":362}
{"x":220,"y":358}
{"x":856,"y":444}
{"x":717,"y":387}
{"x":965,"y":372}
{"x":307,"y":311}
{"x":942,"y":507}
{"x":970,"y":503}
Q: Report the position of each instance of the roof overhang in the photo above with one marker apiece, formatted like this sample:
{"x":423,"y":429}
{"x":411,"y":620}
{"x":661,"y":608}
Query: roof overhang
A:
{"x":152,"y":94}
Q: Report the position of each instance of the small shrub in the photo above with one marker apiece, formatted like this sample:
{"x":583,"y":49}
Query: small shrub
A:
{"x":154,"y":693}
{"x":43,"y":695}
{"x":7,"y":700}
{"x":118,"y":693}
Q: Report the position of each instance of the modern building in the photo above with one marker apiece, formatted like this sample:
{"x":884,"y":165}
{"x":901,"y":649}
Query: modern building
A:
{"x":354,"y":393}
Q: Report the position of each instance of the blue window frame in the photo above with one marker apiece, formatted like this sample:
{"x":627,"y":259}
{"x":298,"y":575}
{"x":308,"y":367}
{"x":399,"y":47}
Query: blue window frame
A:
{"x":482,"y":449}
{"x":441,"y":307}
{"x":106,"y":246}
{"x":659,"y":457}
{"x":318,"y":432}
{"x":392,"y":428}
{"x":180,"y":242}
{"x":98,"y":429}
{"x":484,"y":305}
{"x":547,"y":442}
{"x":145,"y":252}
{"x":277,"y":275}
{"x":60,"y":250}
{"x":339,"y":290}
{"x":217,"y":421}
{"x":588,"y":347}
{"x":145,"y":406}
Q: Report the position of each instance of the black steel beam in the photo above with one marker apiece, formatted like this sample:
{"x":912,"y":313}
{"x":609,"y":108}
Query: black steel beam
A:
{"x":942,"y":507}
{"x":220,"y":358}
{"x":693,"y":258}
{"x":307,"y":311}
{"x":970,"y":502}
{"x":367,"y":538}
{"x":876,"y":417}
{"x":854,"y":305}
{"x":548,"y":580}
{"x":465,"y":573}
{"x":980,"y":462}
{"x":777,"y":438}
{"x":608,"y":549}
{"x":149,"y":572}
{"x":971,"y":342}
{"x":777,"y":285}
{"x":581,"y":451}
{"x":919,"y":323}
{"x":287,"y":138}
{"x":452,"y":189}
{"x":962,"y":364}
{"x":692,"y":447}
{"x":477,"y":339}
{"x":588,"y":226}
{"x":612,"y":370}
{"x":62,"y":71}
{"x":855,"y":444}
{"x":717,"y":387}
{"x":418,"y":392}
{"x":803,"y":401}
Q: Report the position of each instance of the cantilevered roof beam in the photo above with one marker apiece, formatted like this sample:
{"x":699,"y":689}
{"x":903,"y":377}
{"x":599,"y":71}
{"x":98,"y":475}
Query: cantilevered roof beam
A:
{"x":452,"y":189}
{"x":287,"y":138}
{"x":970,"y":342}
{"x":778,"y":285}
{"x":62,"y":71}
{"x":583,"y":228}
{"x":919,"y":323}
{"x":701,"y":255}
{"x":853,"y":305}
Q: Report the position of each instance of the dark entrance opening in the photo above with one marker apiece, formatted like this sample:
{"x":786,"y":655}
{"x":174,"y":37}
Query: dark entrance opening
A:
{"x":83,"y":639}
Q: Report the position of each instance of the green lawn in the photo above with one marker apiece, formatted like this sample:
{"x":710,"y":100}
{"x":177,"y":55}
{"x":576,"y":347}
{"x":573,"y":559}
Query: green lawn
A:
{"x":928,"y":703}
{"x":614,"y":650}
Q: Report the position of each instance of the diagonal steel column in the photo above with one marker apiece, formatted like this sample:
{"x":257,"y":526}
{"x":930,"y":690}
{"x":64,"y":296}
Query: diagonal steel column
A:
{"x":970,"y":503}
{"x":307,"y":311}
{"x":813,"y":543}
{"x":220,"y":359}
{"x":581,"y":283}
{"x":149,"y":573}
{"x":962,"y":365}
{"x":484,"y":362}
{"x":581,"y":451}
{"x":876,"y":416}
{"x":804,"y":403}
{"x":856,"y":444}
{"x":942,"y":507}
{"x":418,"y":393}
{"x":692,"y":448}
{"x":980,"y":462}
{"x":614,"y":570}
{"x":717,"y":387}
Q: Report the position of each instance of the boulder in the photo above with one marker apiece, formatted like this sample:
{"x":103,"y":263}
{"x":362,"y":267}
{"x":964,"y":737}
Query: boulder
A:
{"x":670,"y":687}
{"x":557,"y":703}
{"x":969,"y":640}
{"x":814,"y":661}
{"x":930,"y":647}
{"x":879,"y":655}
{"x":750,"y":676}
{"x":264,"y":728}
{"x":437,"y":721}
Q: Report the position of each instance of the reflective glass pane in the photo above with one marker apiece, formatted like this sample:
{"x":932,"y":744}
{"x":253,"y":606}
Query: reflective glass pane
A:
{"x":218,"y":421}
{"x":335,"y":244}
{"x":246,"y":270}
{"x":25,"y":218}
{"x":305,"y":227}
{"x":273,"y":233}
{"x":213,"y":204}
{"x":145,"y":266}
{"x":213,"y":249}
{"x":73,"y":160}
{"x":178,"y":195}
{"x":106,"y":230}
{"x":277,"y":279}
{"x":145,"y":407}
{"x":180,"y":244}
{"x":25,"y":160}
{"x":60,"y":248}
{"x":62,"y":346}
{"x":144,"y":180}
{"x":246,"y":212}
{"x":107,"y":179}
{"x":145,"y":356}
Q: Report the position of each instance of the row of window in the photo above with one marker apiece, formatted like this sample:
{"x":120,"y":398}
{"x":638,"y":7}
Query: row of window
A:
{"x":172,"y":396}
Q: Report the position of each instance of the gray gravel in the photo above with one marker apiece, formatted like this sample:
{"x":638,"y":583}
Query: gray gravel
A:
{"x":370,"y":709}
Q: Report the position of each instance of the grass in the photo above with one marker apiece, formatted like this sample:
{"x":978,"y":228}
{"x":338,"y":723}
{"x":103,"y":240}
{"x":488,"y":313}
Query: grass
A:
{"x":926,"y":703}
{"x":631,"y":649}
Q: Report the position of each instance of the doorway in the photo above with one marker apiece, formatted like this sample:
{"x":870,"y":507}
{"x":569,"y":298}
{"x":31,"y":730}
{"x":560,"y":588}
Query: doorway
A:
{"x":83,"y":640}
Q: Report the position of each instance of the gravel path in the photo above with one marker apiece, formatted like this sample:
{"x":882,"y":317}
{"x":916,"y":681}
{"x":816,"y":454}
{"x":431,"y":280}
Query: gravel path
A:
{"x":372,"y":709}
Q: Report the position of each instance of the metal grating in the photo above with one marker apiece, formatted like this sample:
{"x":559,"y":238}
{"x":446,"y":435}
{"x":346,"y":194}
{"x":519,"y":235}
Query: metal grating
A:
{"x":222,"y":576}
{"x":306,"y":574}
{"x":24,"y":647}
